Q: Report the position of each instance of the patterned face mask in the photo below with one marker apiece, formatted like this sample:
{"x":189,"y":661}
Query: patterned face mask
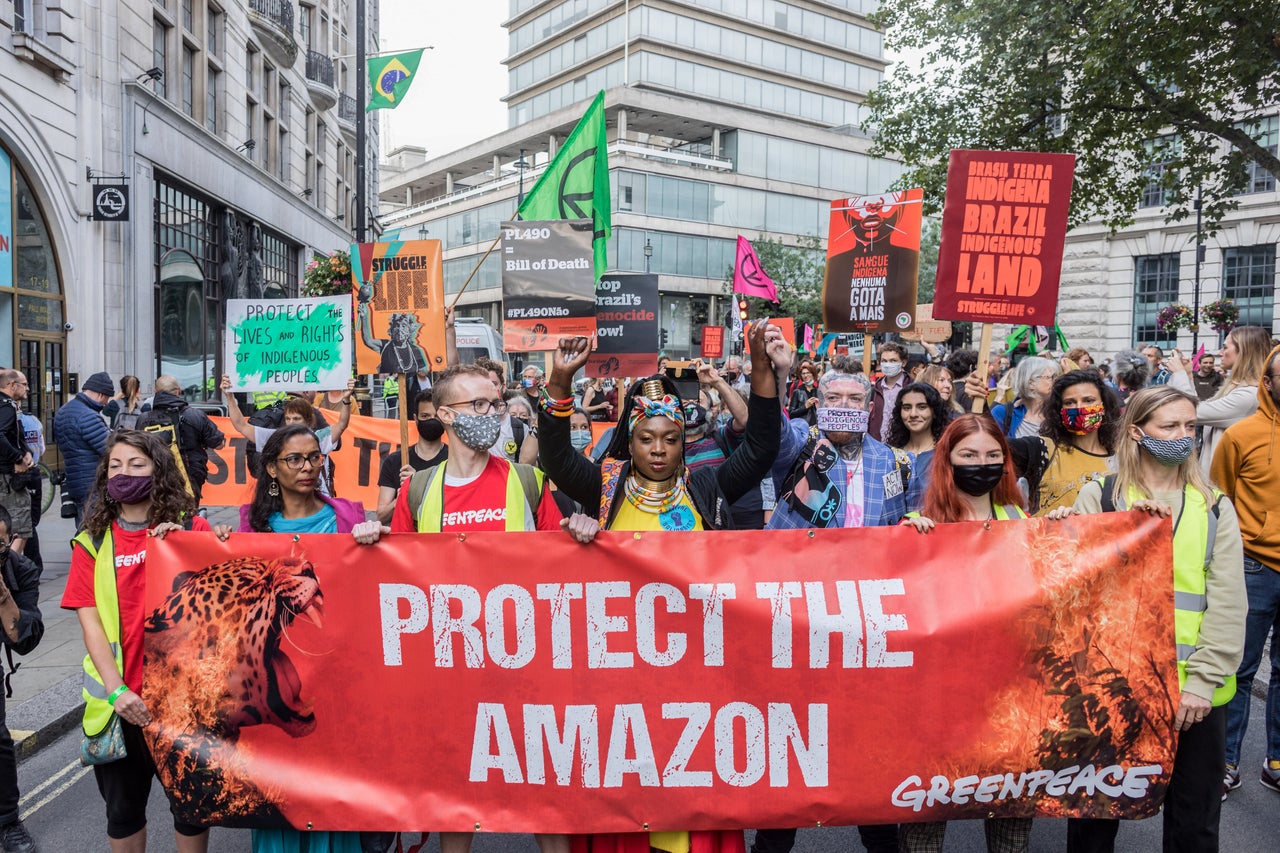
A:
{"x":479,"y":432}
{"x":1168,"y":451}
{"x":1083,"y":420}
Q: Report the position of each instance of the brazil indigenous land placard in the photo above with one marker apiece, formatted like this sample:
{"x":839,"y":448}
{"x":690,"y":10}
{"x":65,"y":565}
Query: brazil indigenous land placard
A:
{"x":522,"y":682}
{"x":288,"y":344}
{"x":1004,"y":223}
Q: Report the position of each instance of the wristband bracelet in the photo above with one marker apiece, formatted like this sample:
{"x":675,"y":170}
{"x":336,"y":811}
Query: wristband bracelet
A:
{"x":116,"y":694}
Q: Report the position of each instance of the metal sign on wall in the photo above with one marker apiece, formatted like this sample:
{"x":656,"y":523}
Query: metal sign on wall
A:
{"x":110,"y":202}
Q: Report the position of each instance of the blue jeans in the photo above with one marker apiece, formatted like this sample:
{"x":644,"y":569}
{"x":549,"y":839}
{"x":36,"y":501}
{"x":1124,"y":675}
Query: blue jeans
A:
{"x":1263,"y":584}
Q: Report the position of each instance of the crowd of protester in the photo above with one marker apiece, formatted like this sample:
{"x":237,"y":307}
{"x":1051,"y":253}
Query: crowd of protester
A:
{"x":769,"y":441}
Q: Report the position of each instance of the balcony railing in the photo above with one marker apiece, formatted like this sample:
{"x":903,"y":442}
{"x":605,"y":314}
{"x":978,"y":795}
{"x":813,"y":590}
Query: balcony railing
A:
{"x":347,"y":109}
{"x":319,"y":68}
{"x":278,"y":11}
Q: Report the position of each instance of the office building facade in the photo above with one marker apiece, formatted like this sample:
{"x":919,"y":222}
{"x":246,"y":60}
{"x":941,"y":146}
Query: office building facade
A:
{"x":725,"y":117}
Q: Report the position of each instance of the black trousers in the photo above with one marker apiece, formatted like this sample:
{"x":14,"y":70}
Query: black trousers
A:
{"x":1194,"y":802}
{"x":8,"y":772}
{"x":877,"y":839}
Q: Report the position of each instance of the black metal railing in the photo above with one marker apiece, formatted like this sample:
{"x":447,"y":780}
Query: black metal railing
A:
{"x":347,"y":109}
{"x":278,"y":11}
{"x":319,"y":68}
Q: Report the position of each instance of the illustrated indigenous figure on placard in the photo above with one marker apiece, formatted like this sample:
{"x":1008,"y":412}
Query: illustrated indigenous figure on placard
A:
{"x":873,"y":256}
{"x":401,"y":353}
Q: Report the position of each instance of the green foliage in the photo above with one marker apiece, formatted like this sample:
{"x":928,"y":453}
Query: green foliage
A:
{"x":1098,"y":78}
{"x":930,"y":239}
{"x":797,"y":271}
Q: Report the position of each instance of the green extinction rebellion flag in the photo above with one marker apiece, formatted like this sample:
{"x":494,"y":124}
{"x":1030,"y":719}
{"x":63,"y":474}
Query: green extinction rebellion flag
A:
{"x":390,"y":78}
{"x":576,"y":184}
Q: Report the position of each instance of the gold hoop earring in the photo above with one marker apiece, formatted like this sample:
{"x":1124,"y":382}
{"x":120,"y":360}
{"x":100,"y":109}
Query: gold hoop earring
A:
{"x":274,"y":488}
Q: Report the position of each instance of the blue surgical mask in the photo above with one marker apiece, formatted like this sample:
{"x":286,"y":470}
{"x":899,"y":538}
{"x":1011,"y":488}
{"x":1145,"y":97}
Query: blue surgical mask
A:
{"x":580,"y":439}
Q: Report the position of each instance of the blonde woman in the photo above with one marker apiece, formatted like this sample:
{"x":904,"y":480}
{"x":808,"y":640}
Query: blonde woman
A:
{"x":1157,"y":473}
{"x":1244,"y":356}
{"x":940,"y":378}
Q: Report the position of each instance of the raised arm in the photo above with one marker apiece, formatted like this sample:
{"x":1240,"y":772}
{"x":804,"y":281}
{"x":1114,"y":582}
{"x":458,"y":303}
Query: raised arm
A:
{"x":450,"y":339}
{"x":336,"y":431}
{"x":238,"y":423}
{"x":573,"y":473}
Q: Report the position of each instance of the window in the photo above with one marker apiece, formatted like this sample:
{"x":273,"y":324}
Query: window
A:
{"x":305,"y":14}
{"x":160,"y":55}
{"x":1249,"y":279}
{"x":1266,"y":132}
{"x":188,"y":80}
{"x":213,"y":30}
{"x":212,"y":84}
{"x":1155,"y":284}
{"x":1161,"y":152}
{"x":188,"y":15}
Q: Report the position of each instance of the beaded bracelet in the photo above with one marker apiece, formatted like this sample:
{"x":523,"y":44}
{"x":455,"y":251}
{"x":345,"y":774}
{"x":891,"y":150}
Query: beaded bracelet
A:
{"x":555,"y":408}
{"x":116,"y":694}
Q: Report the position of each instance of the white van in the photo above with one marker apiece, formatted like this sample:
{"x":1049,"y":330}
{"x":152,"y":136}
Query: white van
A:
{"x":477,"y":338}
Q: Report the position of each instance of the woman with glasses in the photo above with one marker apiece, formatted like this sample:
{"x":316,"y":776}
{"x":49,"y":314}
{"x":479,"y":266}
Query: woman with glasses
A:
{"x":138,"y":493}
{"x":287,"y":499}
{"x":1032,"y":381}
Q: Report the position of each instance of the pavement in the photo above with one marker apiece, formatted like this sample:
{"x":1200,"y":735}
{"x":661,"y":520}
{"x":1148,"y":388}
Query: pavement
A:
{"x":46,"y":700}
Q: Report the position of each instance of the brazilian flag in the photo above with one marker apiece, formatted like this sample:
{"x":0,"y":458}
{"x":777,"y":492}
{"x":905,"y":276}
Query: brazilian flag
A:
{"x":576,"y":184}
{"x":390,"y":77}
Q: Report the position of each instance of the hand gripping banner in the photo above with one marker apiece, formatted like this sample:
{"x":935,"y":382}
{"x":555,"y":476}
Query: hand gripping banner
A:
{"x":665,"y":681}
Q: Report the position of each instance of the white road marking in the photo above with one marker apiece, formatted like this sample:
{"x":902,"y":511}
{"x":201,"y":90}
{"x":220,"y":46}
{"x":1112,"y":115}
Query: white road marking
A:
{"x":58,"y":791}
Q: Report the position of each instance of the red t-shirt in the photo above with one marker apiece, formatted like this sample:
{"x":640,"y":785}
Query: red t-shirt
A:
{"x":131,"y":587}
{"x":478,"y":505}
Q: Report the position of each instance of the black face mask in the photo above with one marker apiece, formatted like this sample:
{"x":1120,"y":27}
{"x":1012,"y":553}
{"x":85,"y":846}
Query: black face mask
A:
{"x":977,"y":480}
{"x":430,"y":429}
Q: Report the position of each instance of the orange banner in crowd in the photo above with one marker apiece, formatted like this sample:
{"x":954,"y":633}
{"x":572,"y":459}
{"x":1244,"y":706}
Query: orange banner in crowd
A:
{"x":366,"y":442}
{"x":523,"y":682}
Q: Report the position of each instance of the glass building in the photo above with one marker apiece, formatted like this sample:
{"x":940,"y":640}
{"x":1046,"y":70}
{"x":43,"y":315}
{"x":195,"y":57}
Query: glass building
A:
{"x":725,"y":117}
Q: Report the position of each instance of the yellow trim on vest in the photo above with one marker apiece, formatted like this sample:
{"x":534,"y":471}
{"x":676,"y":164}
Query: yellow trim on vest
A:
{"x":431,"y":513}
{"x":97,"y":710}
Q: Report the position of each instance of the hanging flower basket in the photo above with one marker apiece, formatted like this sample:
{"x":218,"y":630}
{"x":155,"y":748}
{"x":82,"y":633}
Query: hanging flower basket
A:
{"x":327,"y":275}
{"x":1222,"y":315}
{"x":1173,"y":317}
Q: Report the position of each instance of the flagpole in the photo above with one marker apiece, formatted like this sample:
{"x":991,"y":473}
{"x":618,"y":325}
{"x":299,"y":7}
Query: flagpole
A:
{"x":362,"y":139}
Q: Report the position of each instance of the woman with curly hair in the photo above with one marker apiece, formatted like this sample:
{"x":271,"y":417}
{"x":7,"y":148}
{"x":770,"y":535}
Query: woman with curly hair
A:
{"x":287,"y":499}
{"x":138,"y":493}
{"x":802,"y":402}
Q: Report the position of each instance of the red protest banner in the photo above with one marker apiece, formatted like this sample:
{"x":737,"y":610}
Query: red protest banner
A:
{"x":712,"y":342}
{"x":523,"y":682}
{"x":873,"y":258}
{"x":1003,"y":227}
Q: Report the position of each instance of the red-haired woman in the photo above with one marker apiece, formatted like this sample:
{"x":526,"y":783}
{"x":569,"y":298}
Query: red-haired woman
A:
{"x":971,"y":479}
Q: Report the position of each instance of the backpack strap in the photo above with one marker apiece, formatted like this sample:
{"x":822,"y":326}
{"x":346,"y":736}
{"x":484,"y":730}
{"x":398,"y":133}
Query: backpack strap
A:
{"x":1214,"y":512}
{"x":1108,"y":494}
{"x":793,"y":476}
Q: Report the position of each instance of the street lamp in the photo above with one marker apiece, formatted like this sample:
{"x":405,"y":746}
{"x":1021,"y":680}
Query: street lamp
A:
{"x":1195,"y":298}
{"x":423,"y":232}
{"x":521,"y":165}
{"x":648,"y":254}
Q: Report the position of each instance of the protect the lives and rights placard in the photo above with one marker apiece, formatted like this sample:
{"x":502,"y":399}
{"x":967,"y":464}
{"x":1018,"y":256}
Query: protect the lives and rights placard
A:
{"x":518,"y":682}
{"x":288,"y":344}
{"x":1004,"y":224}
{"x":873,"y":257}
{"x":399,"y":290}
{"x":626,"y":326}
{"x":548,"y":283}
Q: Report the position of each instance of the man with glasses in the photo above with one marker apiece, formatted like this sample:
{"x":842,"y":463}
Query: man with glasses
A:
{"x":473,"y":489}
{"x":428,"y":451}
{"x":1245,"y":468}
{"x":21,"y":628}
{"x":15,"y":457}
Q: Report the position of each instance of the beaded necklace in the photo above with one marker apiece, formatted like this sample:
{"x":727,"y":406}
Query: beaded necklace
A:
{"x":651,"y":500}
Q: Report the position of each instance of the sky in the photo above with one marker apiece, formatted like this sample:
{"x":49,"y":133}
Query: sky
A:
{"x":455,"y":100}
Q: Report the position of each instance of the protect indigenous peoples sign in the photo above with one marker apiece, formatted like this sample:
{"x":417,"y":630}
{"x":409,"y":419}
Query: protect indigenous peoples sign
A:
{"x":288,"y":344}
{"x":548,"y":283}
{"x":873,"y":256}
{"x":626,"y":326}
{"x":517,"y":682}
{"x":1004,"y":223}
{"x":399,"y":290}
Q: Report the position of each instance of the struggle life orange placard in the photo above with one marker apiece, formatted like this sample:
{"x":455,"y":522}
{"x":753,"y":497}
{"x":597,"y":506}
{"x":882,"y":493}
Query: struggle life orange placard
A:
{"x":518,"y":682}
{"x":399,"y":293}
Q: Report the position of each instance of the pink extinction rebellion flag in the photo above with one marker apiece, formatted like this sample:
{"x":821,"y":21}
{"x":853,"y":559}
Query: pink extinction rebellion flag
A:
{"x":808,"y":338}
{"x":749,"y":278}
{"x":1195,"y":361}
